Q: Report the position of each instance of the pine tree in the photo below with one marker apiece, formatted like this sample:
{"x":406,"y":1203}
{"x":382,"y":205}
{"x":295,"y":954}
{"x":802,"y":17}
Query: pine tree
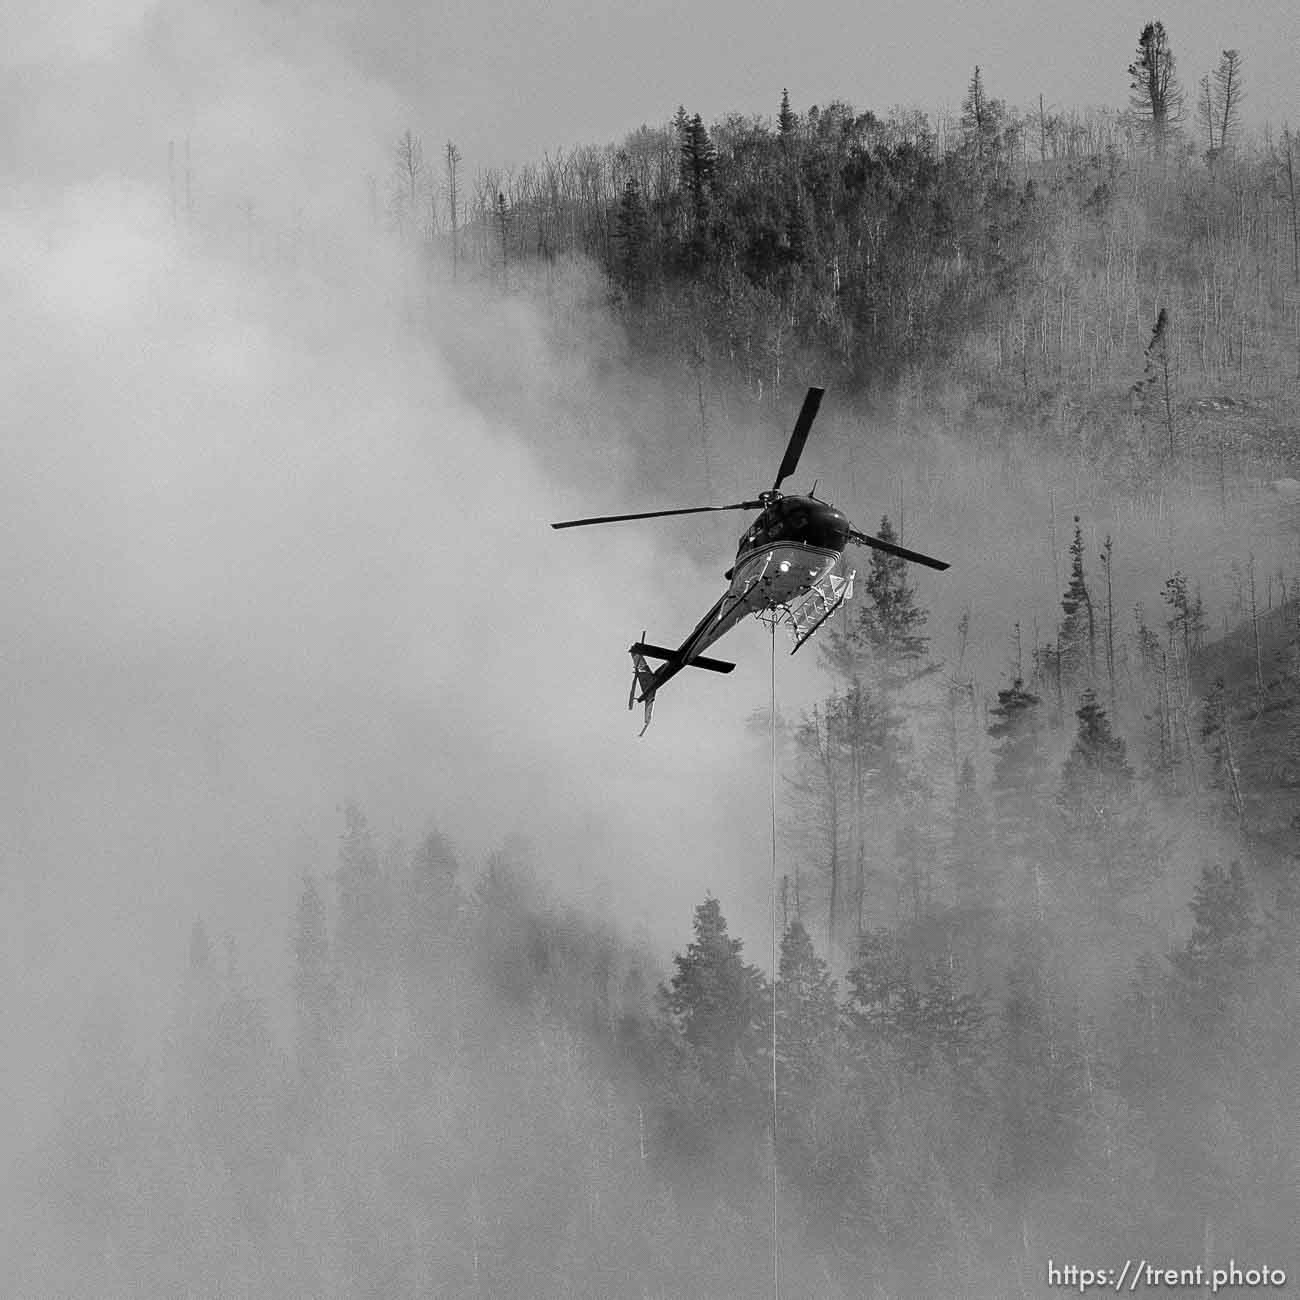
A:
{"x":820,"y":807}
{"x":887,"y":641}
{"x":848,"y":764}
{"x":433,"y":896}
{"x":432,"y":918}
{"x":698,"y":164}
{"x":981,"y":121}
{"x":365,"y":950}
{"x":799,"y":232}
{"x":631,"y":232}
{"x":1157,"y":98}
{"x":1148,"y":643}
{"x":786,"y":122}
{"x":1212,"y":963}
{"x":807,"y":1015}
{"x":1077,"y":638}
{"x":1217,"y":735}
{"x":1018,"y":770}
{"x":921,"y":1022}
{"x":1157,"y":382}
{"x":1186,"y":622}
{"x":717,"y":999}
{"x":951,"y":1022}
{"x":1104,"y":831}
{"x":883,"y":1001}
{"x":1097,"y":776}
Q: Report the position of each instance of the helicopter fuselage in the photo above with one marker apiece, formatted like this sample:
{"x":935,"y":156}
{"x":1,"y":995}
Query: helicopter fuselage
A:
{"x":794,"y":547}
{"x":789,"y":568}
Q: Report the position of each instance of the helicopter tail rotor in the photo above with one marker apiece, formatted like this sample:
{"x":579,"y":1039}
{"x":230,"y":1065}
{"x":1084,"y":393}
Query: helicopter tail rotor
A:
{"x":643,"y":681}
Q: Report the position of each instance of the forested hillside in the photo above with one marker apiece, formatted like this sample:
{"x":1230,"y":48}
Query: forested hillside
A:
{"x":1047,"y":268}
{"x":1036,"y":993}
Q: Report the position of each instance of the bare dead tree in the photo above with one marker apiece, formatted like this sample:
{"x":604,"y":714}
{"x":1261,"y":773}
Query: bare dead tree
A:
{"x":451,"y":156}
{"x":1288,"y":174}
{"x":1229,"y":92}
{"x":503,"y":227}
{"x":408,"y":175}
{"x":1205,"y":112}
{"x":1106,"y":553}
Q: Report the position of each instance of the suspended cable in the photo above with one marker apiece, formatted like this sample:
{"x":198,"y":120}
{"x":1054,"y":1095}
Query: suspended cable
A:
{"x":776,"y":974}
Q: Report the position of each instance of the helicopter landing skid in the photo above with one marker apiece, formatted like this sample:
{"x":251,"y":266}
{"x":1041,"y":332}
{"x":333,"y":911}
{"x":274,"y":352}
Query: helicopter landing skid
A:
{"x":816,"y":605}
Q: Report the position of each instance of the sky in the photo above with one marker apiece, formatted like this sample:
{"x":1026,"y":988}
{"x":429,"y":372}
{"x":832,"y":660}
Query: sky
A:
{"x":510,"y":83}
{"x":572,"y":73}
{"x":265,"y":552}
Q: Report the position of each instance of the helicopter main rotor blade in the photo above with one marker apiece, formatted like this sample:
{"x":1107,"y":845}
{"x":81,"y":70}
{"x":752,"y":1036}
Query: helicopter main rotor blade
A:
{"x":656,"y":514}
{"x":864,"y":539}
{"x":807,"y":414}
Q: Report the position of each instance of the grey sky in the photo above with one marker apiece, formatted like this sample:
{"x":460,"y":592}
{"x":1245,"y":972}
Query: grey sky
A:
{"x":509,"y":82}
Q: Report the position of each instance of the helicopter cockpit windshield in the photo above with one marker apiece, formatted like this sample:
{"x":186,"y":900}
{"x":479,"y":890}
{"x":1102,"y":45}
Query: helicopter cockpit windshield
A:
{"x":798,"y":520}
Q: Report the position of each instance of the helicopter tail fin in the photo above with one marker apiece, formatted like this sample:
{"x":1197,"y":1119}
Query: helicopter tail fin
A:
{"x":643,"y":681}
{"x":646,"y":680}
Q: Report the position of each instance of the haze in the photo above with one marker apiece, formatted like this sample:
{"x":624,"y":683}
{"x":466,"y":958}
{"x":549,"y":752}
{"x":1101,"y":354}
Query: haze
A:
{"x":274,"y":508}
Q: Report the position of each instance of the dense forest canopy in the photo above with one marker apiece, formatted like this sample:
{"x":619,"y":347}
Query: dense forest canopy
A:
{"x":1033,"y":988}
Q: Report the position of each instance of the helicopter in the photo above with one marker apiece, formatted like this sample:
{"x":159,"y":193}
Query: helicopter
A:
{"x":789,"y":566}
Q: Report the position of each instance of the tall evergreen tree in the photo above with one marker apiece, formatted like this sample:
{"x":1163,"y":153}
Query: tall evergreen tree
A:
{"x":699,"y":160}
{"x":888,"y":642}
{"x":1218,"y":952}
{"x":952,"y":1021}
{"x":1217,"y":736}
{"x":631,"y":232}
{"x":1105,"y":834}
{"x":1019,"y":773}
{"x":365,"y":940}
{"x":821,"y":808}
{"x":786,"y":121}
{"x":1097,"y":775}
{"x":432,"y":929}
{"x":981,"y":122}
{"x":1186,"y":622}
{"x":716,"y":999}
{"x":807,"y":1015}
{"x":921,"y":1020}
{"x":1157,"y":98}
{"x":433,"y":897}
{"x":848,"y":766}
{"x":1077,"y":639}
{"x":883,"y":1001}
